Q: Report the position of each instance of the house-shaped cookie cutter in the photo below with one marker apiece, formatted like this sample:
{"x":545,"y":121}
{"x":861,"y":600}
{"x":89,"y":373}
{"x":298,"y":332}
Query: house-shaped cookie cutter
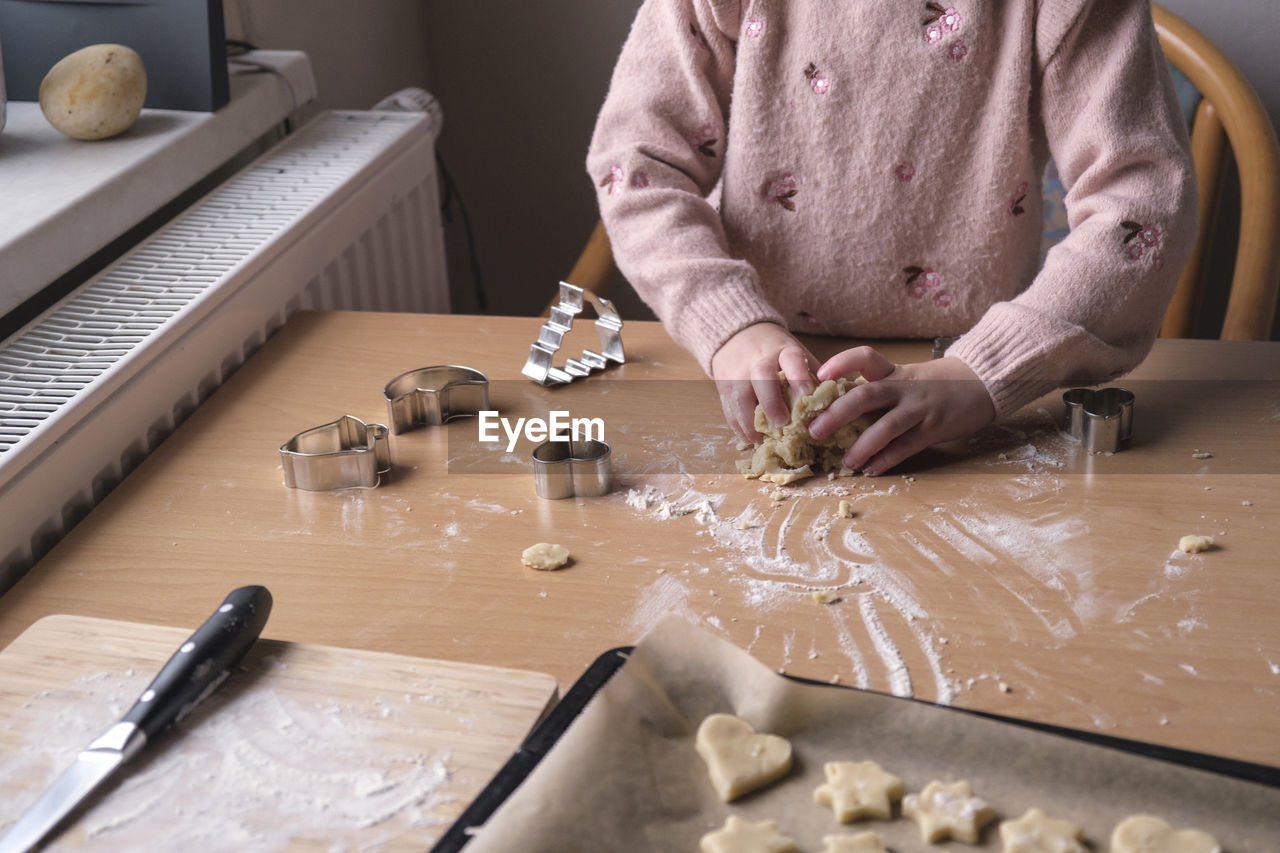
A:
{"x":345,"y":454}
{"x":539,"y":365}
{"x":567,"y":468}
{"x":429,"y":396}
{"x":1101,"y":419}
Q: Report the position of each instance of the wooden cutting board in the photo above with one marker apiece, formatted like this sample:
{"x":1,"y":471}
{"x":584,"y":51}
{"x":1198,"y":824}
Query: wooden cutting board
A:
{"x":305,"y":748}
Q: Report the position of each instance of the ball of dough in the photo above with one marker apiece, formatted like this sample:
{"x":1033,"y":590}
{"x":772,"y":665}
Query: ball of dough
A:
{"x":544,"y":556}
{"x":96,"y":92}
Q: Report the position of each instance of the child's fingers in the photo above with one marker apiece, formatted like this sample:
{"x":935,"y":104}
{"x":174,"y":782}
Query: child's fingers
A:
{"x":903,"y":447}
{"x":764,"y":380}
{"x":852,"y":405}
{"x":865,"y":360}
{"x":798,"y":365}
{"x":896,"y":422}
{"x":738,"y":402}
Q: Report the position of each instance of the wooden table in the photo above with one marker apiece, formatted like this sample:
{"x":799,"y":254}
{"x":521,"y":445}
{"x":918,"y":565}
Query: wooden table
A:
{"x":1013,"y":574}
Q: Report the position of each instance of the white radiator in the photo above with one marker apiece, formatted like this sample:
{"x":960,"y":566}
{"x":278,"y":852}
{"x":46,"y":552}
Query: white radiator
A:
{"x":342,"y":214}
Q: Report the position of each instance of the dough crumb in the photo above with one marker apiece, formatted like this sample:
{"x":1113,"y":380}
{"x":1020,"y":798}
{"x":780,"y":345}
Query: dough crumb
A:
{"x":942,"y":641}
{"x":1194,"y":544}
{"x":817,"y":534}
{"x":545,"y":556}
{"x":742,"y":445}
{"x":825,"y":596}
{"x":1005,"y":688}
{"x":1246,"y":503}
{"x":844,"y":509}
{"x":1201,"y":454}
{"x":835,"y":679}
{"x":744,"y":525}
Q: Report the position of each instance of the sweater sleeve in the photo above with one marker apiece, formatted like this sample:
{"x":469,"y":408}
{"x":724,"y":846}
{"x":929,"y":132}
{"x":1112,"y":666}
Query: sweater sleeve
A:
{"x":1120,"y":143}
{"x":656,"y":155}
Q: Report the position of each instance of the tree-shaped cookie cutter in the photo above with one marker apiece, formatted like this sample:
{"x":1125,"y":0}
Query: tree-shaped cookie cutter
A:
{"x":344,"y":454}
{"x":539,"y":366}
{"x":1101,"y":419}
{"x":429,"y":396}
{"x":567,"y":469}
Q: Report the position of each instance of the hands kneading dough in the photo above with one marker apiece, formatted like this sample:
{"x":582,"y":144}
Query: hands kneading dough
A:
{"x":788,"y":453}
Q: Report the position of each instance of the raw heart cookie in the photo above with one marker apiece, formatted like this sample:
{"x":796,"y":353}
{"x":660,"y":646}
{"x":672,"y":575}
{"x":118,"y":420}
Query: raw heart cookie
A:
{"x":948,"y":811}
{"x":858,"y":789}
{"x":1036,"y":832}
{"x":743,"y":836}
{"x":1144,"y":833}
{"x":739,"y":760}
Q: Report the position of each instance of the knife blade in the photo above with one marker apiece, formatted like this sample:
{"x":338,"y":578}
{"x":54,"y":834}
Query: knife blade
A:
{"x":201,"y":664}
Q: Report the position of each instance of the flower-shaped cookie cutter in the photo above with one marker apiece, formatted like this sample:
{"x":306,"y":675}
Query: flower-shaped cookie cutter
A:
{"x":539,"y":365}
{"x":429,"y":396}
{"x":1101,"y":419}
{"x":345,"y":454}
{"x":564,"y":469}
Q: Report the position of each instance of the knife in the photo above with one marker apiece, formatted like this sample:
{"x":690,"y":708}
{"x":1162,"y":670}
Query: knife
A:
{"x":195,"y":670}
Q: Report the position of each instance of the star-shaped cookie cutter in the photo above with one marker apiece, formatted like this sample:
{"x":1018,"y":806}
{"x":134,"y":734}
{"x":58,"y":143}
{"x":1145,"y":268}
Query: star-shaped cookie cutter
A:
{"x":1101,"y":419}
{"x":429,"y":396}
{"x":566,"y":469}
{"x":539,"y":365}
{"x":344,"y":454}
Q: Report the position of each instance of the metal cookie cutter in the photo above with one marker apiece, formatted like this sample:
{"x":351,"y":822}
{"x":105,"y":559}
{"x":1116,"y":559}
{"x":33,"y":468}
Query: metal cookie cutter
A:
{"x":429,"y":396}
{"x":345,"y":454}
{"x":565,"y":469}
{"x":1102,"y":420}
{"x":551,"y":336}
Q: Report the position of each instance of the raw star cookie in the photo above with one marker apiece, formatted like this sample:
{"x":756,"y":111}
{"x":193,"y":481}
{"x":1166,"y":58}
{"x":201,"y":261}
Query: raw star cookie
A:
{"x":863,"y":842}
{"x":544,"y":556}
{"x":1144,"y":833}
{"x":738,"y":759}
{"x":1036,"y":832}
{"x":857,"y":789}
{"x":788,"y":453}
{"x":743,"y":836}
{"x":948,"y":811}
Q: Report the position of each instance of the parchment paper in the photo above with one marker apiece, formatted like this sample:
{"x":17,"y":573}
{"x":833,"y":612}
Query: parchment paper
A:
{"x":625,"y":775}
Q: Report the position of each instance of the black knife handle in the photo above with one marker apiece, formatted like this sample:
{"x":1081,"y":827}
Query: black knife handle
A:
{"x":203,"y":661}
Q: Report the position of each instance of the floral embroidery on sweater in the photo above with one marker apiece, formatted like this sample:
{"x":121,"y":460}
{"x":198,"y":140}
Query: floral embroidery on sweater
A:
{"x":904,"y":171}
{"x":920,"y":280}
{"x":958,"y":51}
{"x":1143,"y":241}
{"x":939,"y":21}
{"x":615,"y":180}
{"x":703,"y":140}
{"x":639,"y":180}
{"x":1018,"y":197}
{"x":817,"y":80}
{"x":754,"y":27}
{"x":782,"y":190}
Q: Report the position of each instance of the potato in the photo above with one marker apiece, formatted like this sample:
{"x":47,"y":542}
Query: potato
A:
{"x":95,"y":92}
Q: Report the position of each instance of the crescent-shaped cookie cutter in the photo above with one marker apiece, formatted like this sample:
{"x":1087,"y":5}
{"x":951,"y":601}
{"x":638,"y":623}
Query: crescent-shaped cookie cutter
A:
{"x":539,"y":365}
{"x":429,"y":396}
{"x":1102,"y":419}
{"x":566,"y":469}
{"x":345,"y":454}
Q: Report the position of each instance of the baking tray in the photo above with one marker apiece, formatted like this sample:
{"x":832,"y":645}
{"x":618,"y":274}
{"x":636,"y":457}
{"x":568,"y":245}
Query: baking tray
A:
{"x":548,"y":732}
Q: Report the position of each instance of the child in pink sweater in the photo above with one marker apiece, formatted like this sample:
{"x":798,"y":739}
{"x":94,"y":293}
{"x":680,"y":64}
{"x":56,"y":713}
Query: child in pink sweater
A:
{"x":871,"y":168}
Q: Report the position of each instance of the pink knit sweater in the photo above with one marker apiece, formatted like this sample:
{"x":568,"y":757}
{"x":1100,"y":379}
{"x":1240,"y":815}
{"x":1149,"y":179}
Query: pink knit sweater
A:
{"x":871,"y":168}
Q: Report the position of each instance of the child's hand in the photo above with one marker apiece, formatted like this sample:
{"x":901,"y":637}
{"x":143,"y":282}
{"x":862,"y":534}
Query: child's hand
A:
{"x":920,"y":405}
{"x":746,"y":371}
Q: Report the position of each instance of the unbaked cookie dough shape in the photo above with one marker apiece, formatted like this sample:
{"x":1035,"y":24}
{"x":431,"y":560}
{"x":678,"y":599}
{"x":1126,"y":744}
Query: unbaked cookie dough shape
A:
{"x":545,"y":557}
{"x":1036,"y":832}
{"x":744,"y":836}
{"x":858,"y":789}
{"x":948,"y":811}
{"x":738,"y":759}
{"x":1146,"y":833}
{"x":788,"y":453}
{"x":863,"y":842}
